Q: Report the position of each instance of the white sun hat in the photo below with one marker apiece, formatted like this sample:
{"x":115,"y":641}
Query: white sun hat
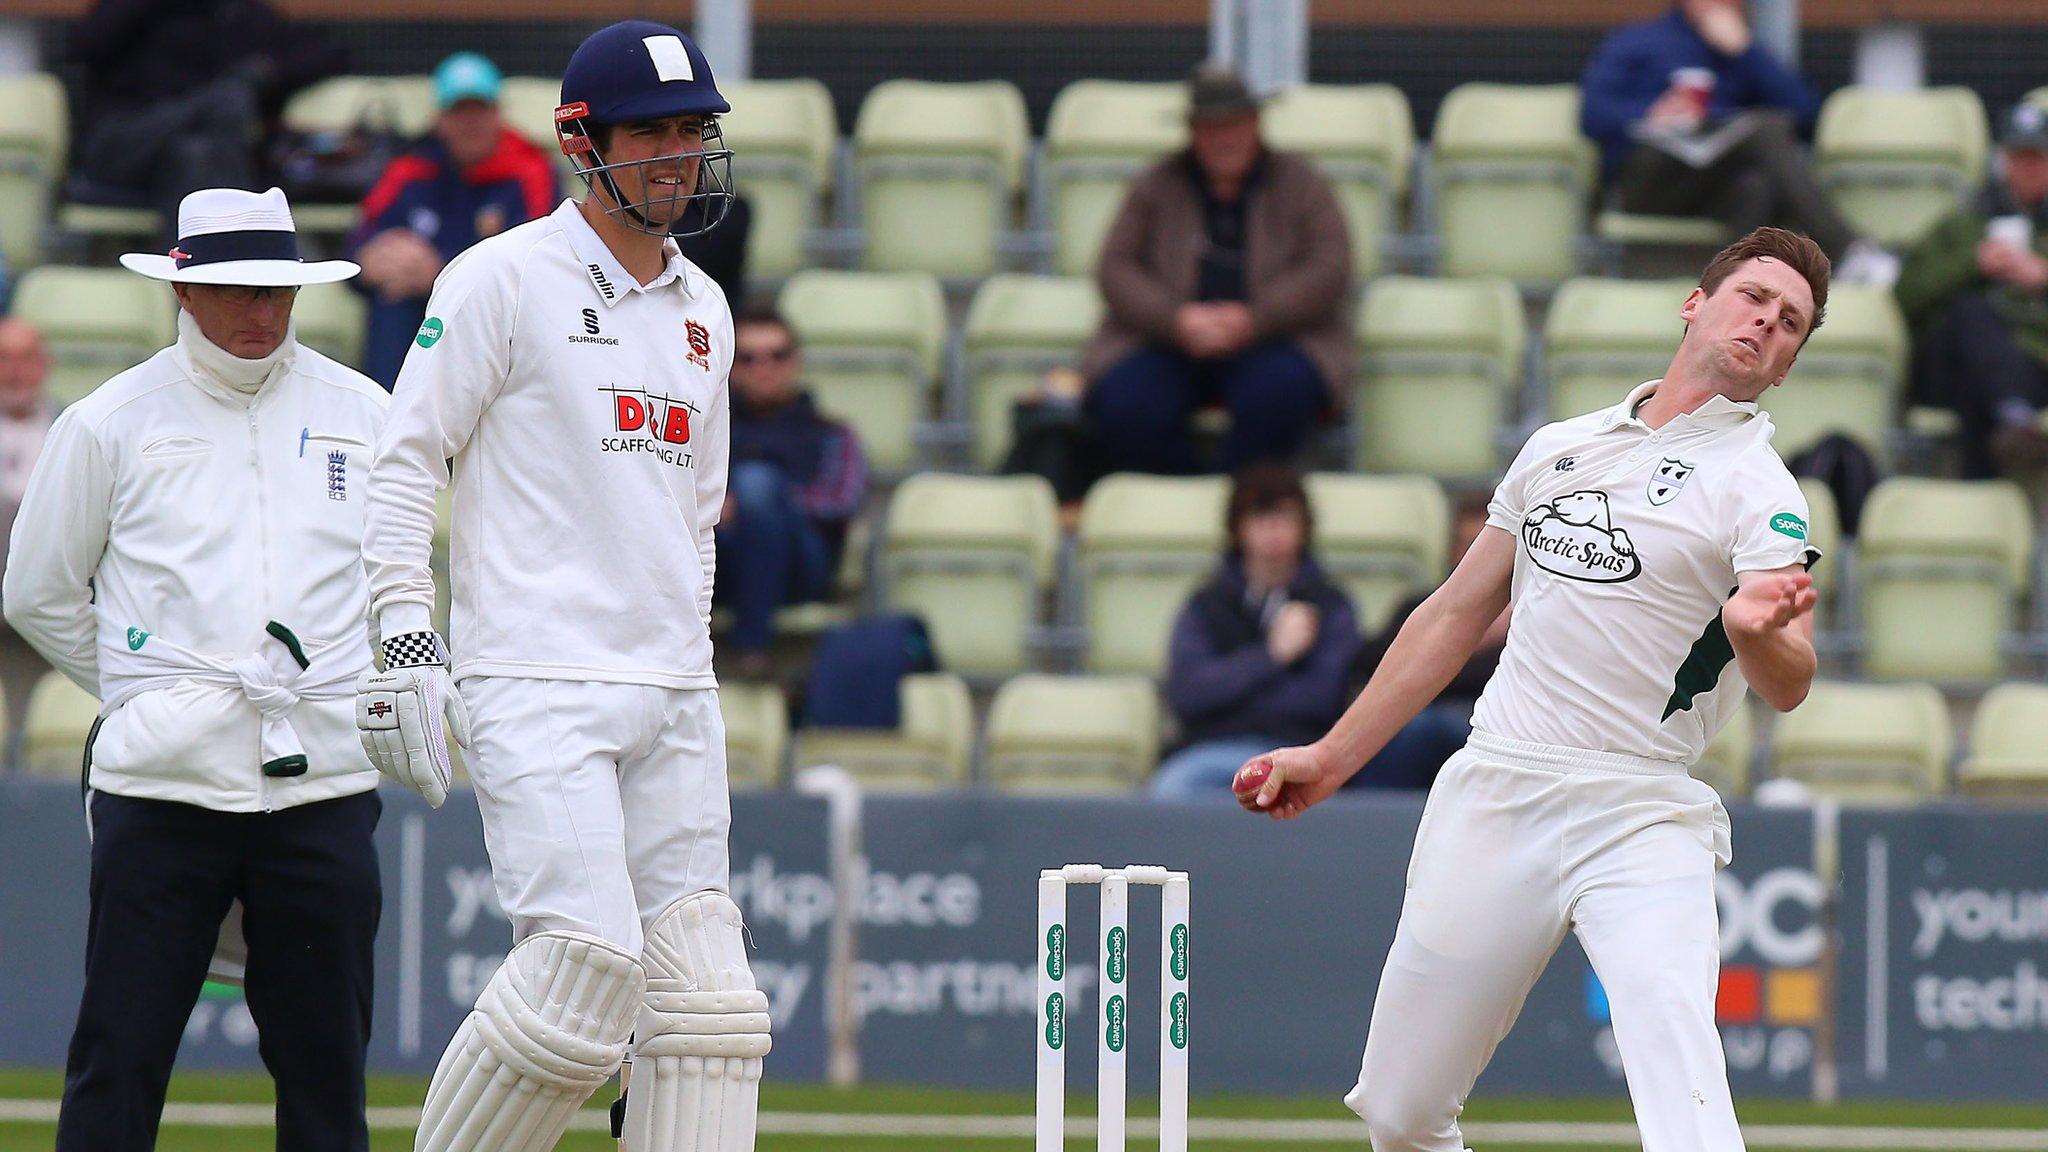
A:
{"x":228,"y":236}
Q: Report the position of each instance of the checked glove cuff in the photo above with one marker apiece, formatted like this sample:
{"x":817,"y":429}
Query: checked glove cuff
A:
{"x":413,"y":650}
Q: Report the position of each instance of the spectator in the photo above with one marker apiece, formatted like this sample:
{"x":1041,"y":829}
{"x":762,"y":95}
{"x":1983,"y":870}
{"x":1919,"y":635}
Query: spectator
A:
{"x":178,"y":92}
{"x":720,"y":250}
{"x":1260,"y":653}
{"x":1695,"y":118}
{"x":474,"y":177}
{"x":1412,"y":757}
{"x":797,"y":481}
{"x":1225,"y":278}
{"x":1976,"y":292}
{"x":25,"y":416}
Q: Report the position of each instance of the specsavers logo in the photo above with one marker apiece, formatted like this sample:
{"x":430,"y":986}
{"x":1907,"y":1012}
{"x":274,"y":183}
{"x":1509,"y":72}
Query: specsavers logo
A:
{"x":650,"y":423}
{"x":1574,"y":536}
{"x":430,"y":332}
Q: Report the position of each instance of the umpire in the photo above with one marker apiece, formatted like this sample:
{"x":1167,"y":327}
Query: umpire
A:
{"x":189,"y":550}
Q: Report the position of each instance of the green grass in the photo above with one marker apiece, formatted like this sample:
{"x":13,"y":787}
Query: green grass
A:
{"x":407,"y":1091}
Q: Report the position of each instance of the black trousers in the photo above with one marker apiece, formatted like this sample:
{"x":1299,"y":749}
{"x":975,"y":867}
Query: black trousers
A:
{"x":1966,"y":359}
{"x":1765,"y":179}
{"x":163,"y":876}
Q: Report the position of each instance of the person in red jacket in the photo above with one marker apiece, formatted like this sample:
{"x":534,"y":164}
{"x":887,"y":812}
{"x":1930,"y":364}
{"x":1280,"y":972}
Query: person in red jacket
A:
{"x":473,"y":178}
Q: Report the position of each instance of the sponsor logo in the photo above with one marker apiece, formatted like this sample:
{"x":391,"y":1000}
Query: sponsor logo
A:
{"x":700,"y":344}
{"x":650,"y":423}
{"x":603,"y":282}
{"x":591,"y":330}
{"x":1567,"y":463}
{"x":1177,"y":1015}
{"x":1056,"y":952}
{"x":136,"y":639}
{"x":1668,"y":480}
{"x":430,"y":332}
{"x":380,"y":709}
{"x":337,"y":475}
{"x":1115,"y":964}
{"x":1574,"y":536}
{"x":1177,"y":962}
{"x":590,"y":321}
{"x":1789,"y":525}
{"x":1055,"y":1021}
{"x":1113,"y":1024}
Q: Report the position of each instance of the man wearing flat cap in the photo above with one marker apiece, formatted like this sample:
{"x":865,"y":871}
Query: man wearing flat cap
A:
{"x":1225,"y":279}
{"x":189,"y":550}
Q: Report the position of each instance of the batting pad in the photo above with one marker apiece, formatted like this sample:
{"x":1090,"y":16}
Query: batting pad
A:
{"x":550,"y":1027}
{"x":696,"y":1076}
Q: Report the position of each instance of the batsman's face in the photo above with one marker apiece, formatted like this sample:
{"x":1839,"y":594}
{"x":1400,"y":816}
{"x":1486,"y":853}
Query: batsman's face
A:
{"x":660,"y":160}
{"x":1748,"y":333}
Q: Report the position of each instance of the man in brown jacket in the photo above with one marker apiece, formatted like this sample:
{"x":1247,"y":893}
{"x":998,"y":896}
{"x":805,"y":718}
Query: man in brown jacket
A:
{"x":1226,"y":276}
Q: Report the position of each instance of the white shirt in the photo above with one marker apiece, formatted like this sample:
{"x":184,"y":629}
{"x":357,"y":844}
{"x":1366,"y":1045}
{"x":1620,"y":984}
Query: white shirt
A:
{"x":1629,"y":542}
{"x":170,"y":513}
{"x":585,"y":416}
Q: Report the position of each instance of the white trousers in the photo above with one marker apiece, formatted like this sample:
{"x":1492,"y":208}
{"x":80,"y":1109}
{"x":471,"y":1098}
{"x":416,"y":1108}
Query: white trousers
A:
{"x":1518,"y":843}
{"x":602,"y":803}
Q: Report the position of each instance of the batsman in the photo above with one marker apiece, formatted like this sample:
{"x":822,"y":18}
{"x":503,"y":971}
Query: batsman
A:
{"x":569,"y":388}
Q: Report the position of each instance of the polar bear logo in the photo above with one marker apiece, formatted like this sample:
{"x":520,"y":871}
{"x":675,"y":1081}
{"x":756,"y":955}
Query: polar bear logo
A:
{"x":1586,"y":509}
{"x":1574,"y":535}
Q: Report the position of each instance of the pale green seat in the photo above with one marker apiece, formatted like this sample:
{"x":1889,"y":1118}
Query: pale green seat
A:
{"x":1438,"y":365}
{"x":931,"y":748}
{"x":1098,"y":135}
{"x":108,"y":220}
{"x":34,"y":137}
{"x":940,"y":167}
{"x":1144,"y":544}
{"x":1634,"y":228}
{"x":1603,"y":337}
{"x":528,"y":104}
{"x":1824,"y":531}
{"x":1873,"y":743}
{"x":96,"y":322}
{"x":1894,"y":162}
{"x":756,"y":733}
{"x":1848,"y":378}
{"x":1072,"y":734}
{"x":338,"y":103}
{"x":1362,"y":136}
{"x":784,"y":135}
{"x":60,"y":717}
{"x":1942,"y":567}
{"x":973,"y":556}
{"x":331,"y":319}
{"x":873,"y":344}
{"x":1019,"y":327}
{"x":1512,"y":178}
{"x":2008,"y":745}
{"x":1382,"y":538}
{"x":1725,"y":763}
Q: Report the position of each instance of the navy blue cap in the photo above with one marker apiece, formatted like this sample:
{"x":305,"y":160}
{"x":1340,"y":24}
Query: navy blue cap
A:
{"x":640,"y":70}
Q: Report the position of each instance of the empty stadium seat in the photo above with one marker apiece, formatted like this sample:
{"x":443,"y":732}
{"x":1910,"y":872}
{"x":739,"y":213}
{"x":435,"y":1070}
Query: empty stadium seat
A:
{"x":1725,"y":763}
{"x":973,"y":556}
{"x":1512,"y":179}
{"x":1362,"y":136}
{"x":1866,"y":742}
{"x":930,"y":749}
{"x":1848,"y":377}
{"x":873,"y":343}
{"x":97,"y":323}
{"x":60,"y":717}
{"x":1098,"y":135}
{"x":940,"y":169}
{"x":2008,"y":744}
{"x":331,"y":319}
{"x":34,"y":137}
{"x":1382,"y":538}
{"x":1144,"y":543}
{"x":528,"y":104}
{"x":403,"y":103}
{"x":1942,"y":566}
{"x":1894,"y":162}
{"x":1019,"y":327}
{"x":1072,"y":734}
{"x":1604,"y":337}
{"x":1439,"y":363}
{"x":788,"y":135}
{"x":756,"y":733}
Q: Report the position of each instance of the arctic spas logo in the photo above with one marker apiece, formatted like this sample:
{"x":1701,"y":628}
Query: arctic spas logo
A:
{"x":646,"y":422}
{"x":1574,"y":536}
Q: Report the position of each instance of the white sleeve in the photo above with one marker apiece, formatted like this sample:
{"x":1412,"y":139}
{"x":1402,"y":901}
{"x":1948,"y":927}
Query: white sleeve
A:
{"x":714,"y":450}
{"x":59,"y":536}
{"x":456,"y":367}
{"x":1769,"y":520}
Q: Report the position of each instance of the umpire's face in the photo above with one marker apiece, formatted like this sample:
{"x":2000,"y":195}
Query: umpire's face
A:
{"x":249,"y":322}
{"x":1746,"y":335}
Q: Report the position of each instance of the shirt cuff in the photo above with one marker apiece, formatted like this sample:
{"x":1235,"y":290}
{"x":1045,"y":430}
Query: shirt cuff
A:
{"x":404,"y":616}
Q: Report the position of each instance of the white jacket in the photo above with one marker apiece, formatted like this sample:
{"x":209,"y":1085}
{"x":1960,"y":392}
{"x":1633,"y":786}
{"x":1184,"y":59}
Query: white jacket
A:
{"x":168,"y":505}
{"x":585,"y":417}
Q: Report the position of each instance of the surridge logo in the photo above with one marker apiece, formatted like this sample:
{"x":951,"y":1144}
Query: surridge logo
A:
{"x":591,"y":331}
{"x":1574,"y":536}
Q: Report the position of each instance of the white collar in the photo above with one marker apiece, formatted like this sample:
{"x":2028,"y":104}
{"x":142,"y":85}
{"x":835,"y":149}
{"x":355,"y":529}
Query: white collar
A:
{"x":1718,"y":411}
{"x":609,"y":276}
{"x":226,"y":375}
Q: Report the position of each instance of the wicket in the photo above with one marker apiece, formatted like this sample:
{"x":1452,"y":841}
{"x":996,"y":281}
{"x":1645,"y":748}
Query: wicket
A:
{"x":1113,"y":1022}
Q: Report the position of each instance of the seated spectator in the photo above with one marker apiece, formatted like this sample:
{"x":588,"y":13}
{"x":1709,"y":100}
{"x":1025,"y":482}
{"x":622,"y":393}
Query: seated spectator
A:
{"x":797,"y":480}
{"x":720,"y":250}
{"x":25,"y":416}
{"x":1225,"y":279}
{"x":1412,"y":757}
{"x":1260,"y":653}
{"x":1659,"y":93}
{"x":1976,"y":292}
{"x":474,"y":177}
{"x":177,"y":92}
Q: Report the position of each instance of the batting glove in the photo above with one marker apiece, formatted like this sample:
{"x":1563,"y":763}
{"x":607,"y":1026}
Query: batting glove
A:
{"x":400,"y":715}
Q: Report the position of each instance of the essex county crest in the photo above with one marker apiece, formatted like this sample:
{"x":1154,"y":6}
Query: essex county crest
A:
{"x":1668,"y":479}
